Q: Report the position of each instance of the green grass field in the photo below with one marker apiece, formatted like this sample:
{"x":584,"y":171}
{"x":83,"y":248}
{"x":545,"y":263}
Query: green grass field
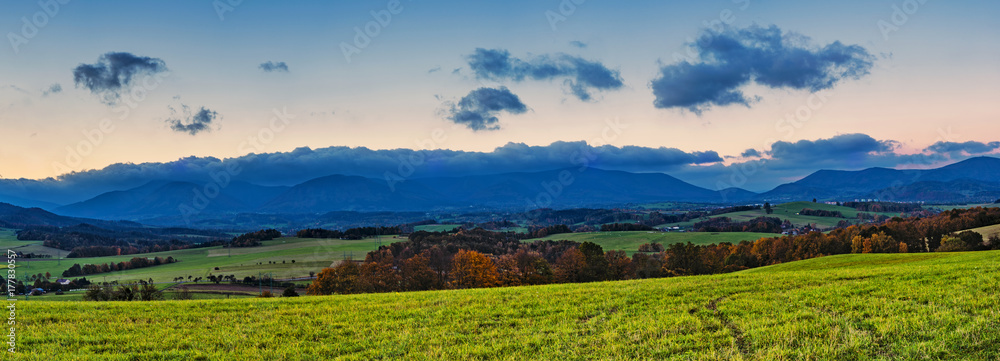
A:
{"x":987,"y":231}
{"x":939,"y":306}
{"x":789,"y":211}
{"x":630,"y":241}
{"x":436,"y":227}
{"x":309,"y":255}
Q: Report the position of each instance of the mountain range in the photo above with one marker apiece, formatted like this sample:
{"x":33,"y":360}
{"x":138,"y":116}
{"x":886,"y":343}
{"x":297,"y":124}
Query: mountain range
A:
{"x":975,"y":179}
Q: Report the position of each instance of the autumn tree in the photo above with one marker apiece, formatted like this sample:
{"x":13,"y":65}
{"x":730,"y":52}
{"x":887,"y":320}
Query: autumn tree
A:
{"x":342,"y":279}
{"x":471,"y":269}
{"x":620,"y":266}
{"x":417,"y":274}
{"x":570,"y":266}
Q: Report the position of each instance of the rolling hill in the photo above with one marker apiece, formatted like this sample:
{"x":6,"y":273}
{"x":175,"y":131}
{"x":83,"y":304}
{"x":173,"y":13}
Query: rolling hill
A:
{"x":846,"y":307}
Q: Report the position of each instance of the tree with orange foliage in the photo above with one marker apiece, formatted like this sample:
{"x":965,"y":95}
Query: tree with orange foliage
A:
{"x":342,"y":279}
{"x":418,"y":275}
{"x":471,"y":269}
{"x":508,"y":273}
{"x":570,"y":266}
{"x":620,"y":266}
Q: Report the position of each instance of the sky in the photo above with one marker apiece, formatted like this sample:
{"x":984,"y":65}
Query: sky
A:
{"x":740,"y":93}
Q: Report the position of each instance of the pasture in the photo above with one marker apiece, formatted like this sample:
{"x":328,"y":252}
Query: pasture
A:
{"x":939,"y":306}
{"x":630,"y":241}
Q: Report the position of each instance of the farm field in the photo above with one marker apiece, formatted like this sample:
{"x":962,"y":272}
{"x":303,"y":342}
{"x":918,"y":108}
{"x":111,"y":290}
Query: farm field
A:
{"x":273,"y":257}
{"x":938,"y":306}
{"x":788,"y":211}
{"x":630,"y":241}
{"x":436,"y":227}
{"x":987,"y":231}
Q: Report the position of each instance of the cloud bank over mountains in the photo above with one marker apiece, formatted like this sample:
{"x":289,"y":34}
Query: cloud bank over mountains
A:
{"x":756,"y":170}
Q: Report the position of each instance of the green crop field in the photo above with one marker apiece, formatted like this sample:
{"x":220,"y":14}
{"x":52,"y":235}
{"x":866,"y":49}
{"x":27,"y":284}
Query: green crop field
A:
{"x":939,"y":306}
{"x":630,"y":241}
{"x":789,"y":211}
{"x":436,"y":227}
{"x":274,"y":257}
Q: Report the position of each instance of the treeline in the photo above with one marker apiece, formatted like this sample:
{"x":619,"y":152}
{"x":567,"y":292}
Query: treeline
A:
{"x":85,"y":240}
{"x":254,"y":239}
{"x":472,"y":259}
{"x":625,"y":227}
{"x":892,"y":207}
{"x":821,"y":213}
{"x":539,"y":232}
{"x":352,"y":233}
{"x":135,"y":262}
{"x":479,"y":258}
{"x":144,"y":291}
{"x":734,"y":209}
{"x":725,"y":224}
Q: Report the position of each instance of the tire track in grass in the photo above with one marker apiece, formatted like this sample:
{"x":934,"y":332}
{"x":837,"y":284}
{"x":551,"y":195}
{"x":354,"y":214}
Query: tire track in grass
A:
{"x":741,"y":342}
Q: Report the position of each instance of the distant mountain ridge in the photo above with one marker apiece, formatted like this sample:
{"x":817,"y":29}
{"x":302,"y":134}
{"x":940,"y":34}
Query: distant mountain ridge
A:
{"x":529,"y":190}
{"x":895,"y":185}
{"x":974,"y":179}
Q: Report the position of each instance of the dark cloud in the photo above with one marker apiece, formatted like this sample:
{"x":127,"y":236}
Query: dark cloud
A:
{"x":302,"y":164}
{"x":702,"y":168}
{"x":271,"y":66}
{"x":840,"y":146}
{"x":192,"y":123}
{"x":968,"y":148}
{"x":114,"y":73}
{"x":52,"y":89}
{"x":478,"y":110}
{"x":434,"y":70}
{"x":581,"y":75}
{"x":578,"y":44}
{"x":750,"y":153}
{"x":731,"y":58}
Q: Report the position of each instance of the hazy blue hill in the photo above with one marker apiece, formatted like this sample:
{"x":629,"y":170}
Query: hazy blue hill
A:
{"x":870,"y":182}
{"x":340,"y":192}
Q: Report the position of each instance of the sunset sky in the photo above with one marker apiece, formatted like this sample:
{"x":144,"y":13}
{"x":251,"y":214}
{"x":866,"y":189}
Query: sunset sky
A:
{"x":881,"y":83}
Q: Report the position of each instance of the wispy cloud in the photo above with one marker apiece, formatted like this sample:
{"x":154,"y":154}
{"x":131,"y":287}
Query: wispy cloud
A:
{"x":271,"y":67}
{"x":185,"y":121}
{"x":581,"y":76}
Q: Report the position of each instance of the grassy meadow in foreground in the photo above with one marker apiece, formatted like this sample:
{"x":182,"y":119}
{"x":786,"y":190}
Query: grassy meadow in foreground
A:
{"x":875,"y":306}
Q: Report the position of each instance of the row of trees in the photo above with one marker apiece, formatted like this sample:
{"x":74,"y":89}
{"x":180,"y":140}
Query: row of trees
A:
{"x":254,"y":239}
{"x":135,"y":262}
{"x":625,"y":227}
{"x":124,"y":292}
{"x":479,"y":258}
{"x":889,"y":207}
{"x":725,"y":224}
{"x":821,"y":213}
{"x":352,"y":233}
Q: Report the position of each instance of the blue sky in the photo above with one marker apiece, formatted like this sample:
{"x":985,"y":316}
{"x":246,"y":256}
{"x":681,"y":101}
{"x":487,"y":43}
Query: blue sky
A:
{"x":933,"y":78}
